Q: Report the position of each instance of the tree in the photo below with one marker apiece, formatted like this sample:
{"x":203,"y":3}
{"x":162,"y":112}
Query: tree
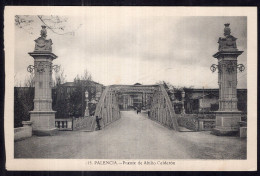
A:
{"x":29,"y":81}
{"x":168,"y":87}
{"x":86,"y":76}
{"x":60,"y":101}
{"x":17,"y":83}
{"x":59,"y":77}
{"x":88,"y":84}
{"x":23,"y":101}
{"x":56,"y":24}
{"x":82,"y":84}
{"x":70,"y":101}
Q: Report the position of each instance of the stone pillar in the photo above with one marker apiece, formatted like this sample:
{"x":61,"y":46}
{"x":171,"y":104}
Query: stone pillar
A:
{"x":43,"y":117}
{"x":228,"y":116}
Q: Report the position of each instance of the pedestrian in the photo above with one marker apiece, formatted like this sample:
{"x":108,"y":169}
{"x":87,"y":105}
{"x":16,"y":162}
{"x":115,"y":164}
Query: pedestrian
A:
{"x":98,"y":123}
{"x":138,"y":110}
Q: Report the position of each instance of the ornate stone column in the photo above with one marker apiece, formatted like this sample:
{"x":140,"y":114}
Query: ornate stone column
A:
{"x":228,"y":116}
{"x":43,"y":117}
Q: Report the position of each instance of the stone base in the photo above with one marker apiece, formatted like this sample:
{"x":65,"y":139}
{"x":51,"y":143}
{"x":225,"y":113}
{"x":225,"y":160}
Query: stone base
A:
{"x":227,"y":123}
{"x":43,"y":123}
{"x":46,"y":132}
{"x":243,"y":132}
{"x":223,"y":132}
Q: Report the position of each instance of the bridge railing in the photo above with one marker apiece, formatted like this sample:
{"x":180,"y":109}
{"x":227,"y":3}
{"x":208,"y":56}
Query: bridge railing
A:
{"x":107,"y":108}
{"x":162,"y":110}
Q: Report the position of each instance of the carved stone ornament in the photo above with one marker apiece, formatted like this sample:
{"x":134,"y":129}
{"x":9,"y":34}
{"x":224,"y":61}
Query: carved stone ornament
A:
{"x":41,"y":44}
{"x":43,"y":32}
{"x":230,"y":67}
{"x":228,"y":43}
{"x":227,"y":30}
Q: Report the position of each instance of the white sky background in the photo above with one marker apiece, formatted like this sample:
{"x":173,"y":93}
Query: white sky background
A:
{"x":127,"y":50}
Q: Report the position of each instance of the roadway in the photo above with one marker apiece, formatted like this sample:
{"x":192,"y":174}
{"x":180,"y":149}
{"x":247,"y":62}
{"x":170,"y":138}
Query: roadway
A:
{"x":133,"y":136}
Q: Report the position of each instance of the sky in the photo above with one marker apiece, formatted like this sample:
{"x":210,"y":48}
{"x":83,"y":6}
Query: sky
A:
{"x":128,"y":49}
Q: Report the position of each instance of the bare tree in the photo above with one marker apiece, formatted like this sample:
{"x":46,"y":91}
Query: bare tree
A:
{"x":17,"y":83}
{"x":86,"y":75}
{"x":59,"y":77}
{"x":29,"y":81}
{"x":167,"y":85}
{"x":56,"y":24}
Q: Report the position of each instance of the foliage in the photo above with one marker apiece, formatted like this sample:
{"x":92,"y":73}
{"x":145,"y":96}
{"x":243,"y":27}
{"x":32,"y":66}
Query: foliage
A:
{"x":70,"y":101}
{"x":23,"y":100}
{"x":77,"y":99}
{"x":67,"y":101}
{"x":189,"y":121}
{"x":242,"y":101}
{"x":23,"y":103}
{"x":171,"y":89}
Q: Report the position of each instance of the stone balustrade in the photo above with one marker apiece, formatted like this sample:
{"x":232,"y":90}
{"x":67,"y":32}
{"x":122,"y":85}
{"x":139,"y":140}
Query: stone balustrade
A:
{"x":64,"y":124}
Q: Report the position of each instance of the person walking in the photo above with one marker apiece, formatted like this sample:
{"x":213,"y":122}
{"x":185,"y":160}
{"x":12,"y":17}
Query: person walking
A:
{"x":98,"y":123}
{"x":138,"y":110}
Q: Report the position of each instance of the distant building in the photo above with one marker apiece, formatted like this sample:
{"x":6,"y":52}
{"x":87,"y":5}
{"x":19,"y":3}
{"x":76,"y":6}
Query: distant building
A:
{"x":205,"y":100}
{"x":133,"y":96}
{"x":72,"y":85}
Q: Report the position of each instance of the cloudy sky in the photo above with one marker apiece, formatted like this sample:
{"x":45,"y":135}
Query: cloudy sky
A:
{"x":129,"y":49}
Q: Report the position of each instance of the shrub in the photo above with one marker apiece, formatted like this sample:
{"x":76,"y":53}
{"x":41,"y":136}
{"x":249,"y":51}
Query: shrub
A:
{"x":189,"y":121}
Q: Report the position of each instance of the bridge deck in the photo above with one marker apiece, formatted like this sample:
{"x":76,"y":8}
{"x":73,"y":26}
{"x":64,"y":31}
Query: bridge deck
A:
{"x":132,"y":137}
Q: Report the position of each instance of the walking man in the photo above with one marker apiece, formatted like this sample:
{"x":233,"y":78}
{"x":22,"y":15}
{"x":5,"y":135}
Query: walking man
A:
{"x":138,"y":110}
{"x":98,"y":123}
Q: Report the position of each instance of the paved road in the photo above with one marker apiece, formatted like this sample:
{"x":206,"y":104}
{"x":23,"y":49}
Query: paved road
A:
{"x":132,"y":137}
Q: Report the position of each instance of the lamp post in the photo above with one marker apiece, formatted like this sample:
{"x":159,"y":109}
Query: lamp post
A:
{"x":172,"y":97}
{"x":93,"y":101}
{"x":86,"y":110}
{"x":98,"y":95}
{"x":182,"y":101}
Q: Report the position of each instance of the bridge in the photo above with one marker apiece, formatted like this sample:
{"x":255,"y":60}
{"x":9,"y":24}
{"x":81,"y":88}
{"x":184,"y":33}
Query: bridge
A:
{"x":161,"y":109}
{"x":125,"y":134}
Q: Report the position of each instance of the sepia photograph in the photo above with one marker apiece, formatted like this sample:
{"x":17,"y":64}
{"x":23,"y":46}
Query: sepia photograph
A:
{"x":131,"y":88}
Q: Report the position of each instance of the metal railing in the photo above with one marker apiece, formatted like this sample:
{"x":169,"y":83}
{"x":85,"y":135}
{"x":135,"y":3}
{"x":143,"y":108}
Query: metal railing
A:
{"x":107,"y":108}
{"x":162,"y":110}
